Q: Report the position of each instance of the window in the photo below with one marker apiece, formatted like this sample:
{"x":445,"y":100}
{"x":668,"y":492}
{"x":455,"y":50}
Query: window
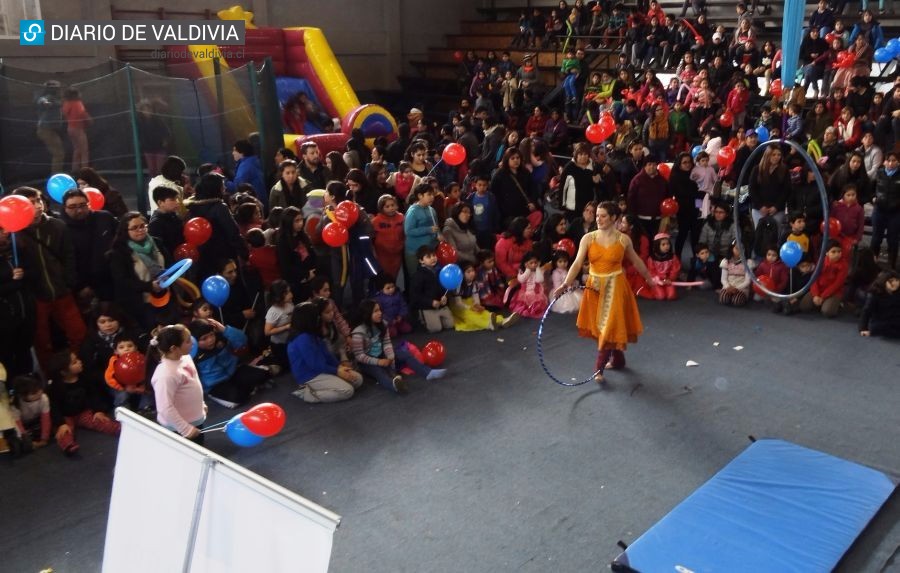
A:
{"x":11,"y":11}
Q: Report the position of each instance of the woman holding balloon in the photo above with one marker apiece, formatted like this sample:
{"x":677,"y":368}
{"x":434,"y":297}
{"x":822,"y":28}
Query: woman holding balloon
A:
{"x":176,"y":384}
{"x":17,"y":320}
{"x":227,"y":242}
{"x":135,"y":261}
{"x":296,"y":257}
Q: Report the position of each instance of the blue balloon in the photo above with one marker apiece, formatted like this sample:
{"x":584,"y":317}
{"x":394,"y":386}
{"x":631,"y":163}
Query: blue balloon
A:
{"x":451,"y":277}
{"x":216,"y":289}
{"x":883,"y":55}
{"x":240,"y":435}
{"x":893,"y":46}
{"x":194,"y":347}
{"x":58,"y":184}
{"x":791,"y":253}
{"x":696,"y":151}
{"x":762,"y":132}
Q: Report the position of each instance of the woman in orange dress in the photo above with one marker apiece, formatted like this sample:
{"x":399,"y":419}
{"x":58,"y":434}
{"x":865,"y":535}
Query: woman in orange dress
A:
{"x":608,"y":310}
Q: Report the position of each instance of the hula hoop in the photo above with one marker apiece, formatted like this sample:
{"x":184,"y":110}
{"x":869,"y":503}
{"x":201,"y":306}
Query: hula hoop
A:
{"x":173,"y":273}
{"x":540,"y":348}
{"x":186,"y":292}
{"x":823,"y":195}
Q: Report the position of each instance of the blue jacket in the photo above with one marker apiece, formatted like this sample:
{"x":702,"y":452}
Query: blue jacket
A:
{"x":249,"y":171}
{"x":875,"y":35}
{"x":309,"y":357}
{"x":218,"y":365}
{"x":417,"y":225}
{"x":486,"y":215}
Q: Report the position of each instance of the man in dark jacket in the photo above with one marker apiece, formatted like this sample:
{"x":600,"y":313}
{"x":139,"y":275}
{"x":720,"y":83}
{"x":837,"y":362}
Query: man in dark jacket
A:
{"x":165,"y":223}
{"x":886,"y":217}
{"x":646,"y":192}
{"x":311,"y":167}
{"x":397,"y":149}
{"x":49,"y":243}
{"x":92,"y":233}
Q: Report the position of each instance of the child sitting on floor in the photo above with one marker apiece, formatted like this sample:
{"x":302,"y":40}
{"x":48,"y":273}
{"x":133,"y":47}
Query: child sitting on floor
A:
{"x":828,"y":289}
{"x":491,"y":283}
{"x":530,"y":299}
{"x":569,"y":302}
{"x":76,"y":402}
{"x":664,"y":266}
{"x":132,"y":396}
{"x":468,"y":312}
{"x":393,"y":306}
{"x":736,"y":280}
{"x":375,"y":355}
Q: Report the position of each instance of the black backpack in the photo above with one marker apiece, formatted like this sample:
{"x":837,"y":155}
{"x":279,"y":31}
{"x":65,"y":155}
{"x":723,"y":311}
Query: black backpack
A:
{"x":766,"y":235}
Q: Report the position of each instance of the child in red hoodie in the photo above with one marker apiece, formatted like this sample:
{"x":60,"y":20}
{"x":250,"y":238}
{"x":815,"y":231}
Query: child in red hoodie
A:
{"x":850,"y":214}
{"x":263,"y":257}
{"x":828,"y":289}
{"x":737,"y":101}
{"x":389,"y":235}
{"x":774,"y":268}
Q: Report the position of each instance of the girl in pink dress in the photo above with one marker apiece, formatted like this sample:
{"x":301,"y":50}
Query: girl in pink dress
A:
{"x":530,"y":299}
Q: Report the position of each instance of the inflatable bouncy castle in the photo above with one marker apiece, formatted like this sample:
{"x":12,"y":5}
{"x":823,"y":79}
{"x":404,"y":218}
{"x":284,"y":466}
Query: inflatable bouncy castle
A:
{"x":310,"y":83}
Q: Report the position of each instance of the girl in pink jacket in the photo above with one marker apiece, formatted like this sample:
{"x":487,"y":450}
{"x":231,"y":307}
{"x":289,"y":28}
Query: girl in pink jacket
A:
{"x":664,"y":266}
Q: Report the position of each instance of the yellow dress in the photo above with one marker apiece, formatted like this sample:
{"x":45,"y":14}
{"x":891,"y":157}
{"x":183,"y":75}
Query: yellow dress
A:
{"x":609,"y":311}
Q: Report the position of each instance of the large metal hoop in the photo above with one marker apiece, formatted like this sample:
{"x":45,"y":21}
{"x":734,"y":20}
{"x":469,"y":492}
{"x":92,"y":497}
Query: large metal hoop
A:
{"x":823,"y":195}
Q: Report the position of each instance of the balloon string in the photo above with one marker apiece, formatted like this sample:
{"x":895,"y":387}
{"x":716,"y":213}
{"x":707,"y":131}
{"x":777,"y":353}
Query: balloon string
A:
{"x":441,"y":160}
{"x":15,"y":251}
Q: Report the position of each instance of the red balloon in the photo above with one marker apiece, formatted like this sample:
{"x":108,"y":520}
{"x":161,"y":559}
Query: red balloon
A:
{"x":334,"y":234}
{"x":668,"y":207}
{"x":665,"y":169}
{"x":594,"y":133}
{"x":312,"y":230}
{"x":264,"y":419}
{"x":434,"y":354}
{"x":454,"y":154}
{"x":567,"y":245}
{"x":130,"y":369}
{"x":834,"y":227}
{"x":346,"y":213}
{"x":16,"y":213}
{"x":197,"y":231}
{"x":775,"y":89}
{"x":186,"y":251}
{"x":95,"y":198}
{"x":416,"y":353}
{"x":458,"y":56}
{"x":726,"y":119}
{"x":725,"y":157}
{"x":446,"y":254}
{"x":767,"y":282}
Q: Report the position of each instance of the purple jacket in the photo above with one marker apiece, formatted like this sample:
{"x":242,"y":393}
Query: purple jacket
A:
{"x":391,"y":306}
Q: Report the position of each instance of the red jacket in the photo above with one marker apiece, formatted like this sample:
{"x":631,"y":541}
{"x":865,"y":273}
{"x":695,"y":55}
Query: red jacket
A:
{"x":737,"y":100}
{"x":645,"y":193}
{"x":508,"y":255}
{"x":831,"y":282}
{"x":778,"y":272}
{"x":265,"y":261}
{"x":852,"y":219}
{"x":389,"y":235}
{"x":664,"y":270}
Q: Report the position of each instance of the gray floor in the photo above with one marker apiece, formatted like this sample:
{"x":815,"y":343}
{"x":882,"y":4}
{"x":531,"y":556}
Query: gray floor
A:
{"x":495,"y":468}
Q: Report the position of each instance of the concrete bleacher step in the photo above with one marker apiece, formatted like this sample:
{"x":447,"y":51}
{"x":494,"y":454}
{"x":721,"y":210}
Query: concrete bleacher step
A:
{"x":441,"y":70}
{"x":544,"y":58}
{"x":478,"y":41}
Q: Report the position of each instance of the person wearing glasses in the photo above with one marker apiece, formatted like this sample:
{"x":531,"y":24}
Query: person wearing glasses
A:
{"x":135,"y":261}
{"x":48,"y":245}
{"x":92,"y":234}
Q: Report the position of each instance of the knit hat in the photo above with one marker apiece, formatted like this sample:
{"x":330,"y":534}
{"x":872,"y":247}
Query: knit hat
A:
{"x":660,"y":236}
{"x":751,"y":133}
{"x":716,"y":36}
{"x":200,"y":328}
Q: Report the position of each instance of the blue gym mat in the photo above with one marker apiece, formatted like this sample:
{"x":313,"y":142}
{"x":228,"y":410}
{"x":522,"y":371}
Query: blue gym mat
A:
{"x":776,"y":507}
